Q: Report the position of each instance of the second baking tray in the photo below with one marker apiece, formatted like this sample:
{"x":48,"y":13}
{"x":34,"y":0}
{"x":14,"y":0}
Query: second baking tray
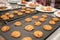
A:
{"x":25,"y":33}
{"x":15,"y":15}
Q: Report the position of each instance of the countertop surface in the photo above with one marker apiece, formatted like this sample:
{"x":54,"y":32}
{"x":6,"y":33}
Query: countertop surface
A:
{"x":55,"y":35}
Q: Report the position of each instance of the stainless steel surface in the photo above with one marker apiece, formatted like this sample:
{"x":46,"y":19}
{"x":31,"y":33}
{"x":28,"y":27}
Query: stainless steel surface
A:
{"x":55,"y":35}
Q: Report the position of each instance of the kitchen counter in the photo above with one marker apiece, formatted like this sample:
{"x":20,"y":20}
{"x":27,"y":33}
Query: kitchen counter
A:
{"x":55,"y":35}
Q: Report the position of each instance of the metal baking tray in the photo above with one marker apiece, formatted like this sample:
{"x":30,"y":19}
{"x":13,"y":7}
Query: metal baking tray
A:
{"x":7,"y":35}
{"x":15,"y":16}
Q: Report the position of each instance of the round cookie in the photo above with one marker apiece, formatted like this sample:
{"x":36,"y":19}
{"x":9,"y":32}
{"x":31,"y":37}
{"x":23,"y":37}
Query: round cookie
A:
{"x":15,"y":12}
{"x":35,"y":17}
{"x":27,"y":12}
{"x":11,"y":16}
{"x":4,"y":17}
{"x":44,"y":16}
{"x":37,"y":23}
{"x":17,"y":23}
{"x":55,"y":19}
{"x":48,"y":8}
{"x":52,"y":22}
{"x":22,"y":10}
{"x":23,"y":7}
{"x":28,"y":19}
{"x":7,"y":13}
{"x":5,"y":28}
{"x":28,"y":9}
{"x":29,"y":28}
{"x":16,"y":34}
{"x":32,"y":10}
{"x":20,"y":14}
{"x":27,"y":38}
{"x":42,"y":19}
{"x":47,"y":27}
{"x":38,"y":34}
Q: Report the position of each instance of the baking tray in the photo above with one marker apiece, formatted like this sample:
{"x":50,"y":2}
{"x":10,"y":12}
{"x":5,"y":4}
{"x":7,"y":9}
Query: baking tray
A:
{"x":7,"y":35}
{"x":15,"y":16}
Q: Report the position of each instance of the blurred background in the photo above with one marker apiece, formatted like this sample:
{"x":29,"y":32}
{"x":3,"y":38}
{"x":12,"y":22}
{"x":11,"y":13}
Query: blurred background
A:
{"x":53,"y":3}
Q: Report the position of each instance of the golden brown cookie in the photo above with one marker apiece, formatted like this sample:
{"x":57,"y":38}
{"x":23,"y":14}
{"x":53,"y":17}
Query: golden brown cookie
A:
{"x":7,"y":13}
{"x":28,"y":9}
{"x":32,"y":10}
{"x":4,"y":17}
{"x":55,"y":19}
{"x":27,"y":12}
{"x":16,"y":34}
{"x":23,"y":7}
{"x":3,"y":7}
{"x":37,"y":23}
{"x":35,"y":17}
{"x":28,"y":19}
{"x":11,"y":16}
{"x":33,"y":5}
{"x":42,"y":19}
{"x":38,"y":34}
{"x":52,"y":22}
{"x":17,"y":23}
{"x":15,"y":12}
{"x":22,"y":10}
{"x":49,"y":8}
{"x":5,"y":28}
{"x":47,"y":27}
{"x":44,"y":16}
{"x":20,"y":14}
{"x":27,"y":38}
{"x":29,"y":28}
